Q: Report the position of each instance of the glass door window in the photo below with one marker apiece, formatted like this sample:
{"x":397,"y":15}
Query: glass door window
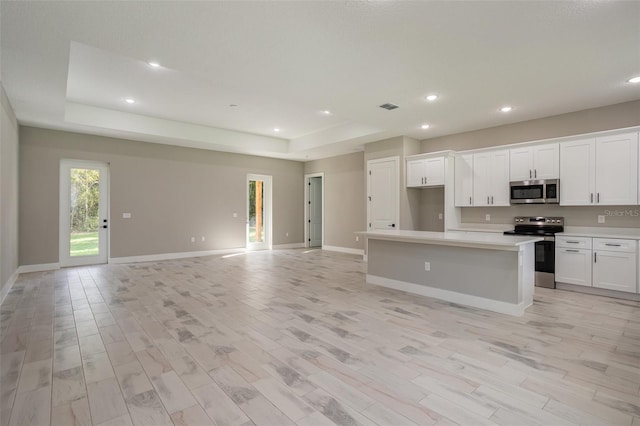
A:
{"x":258,"y":212}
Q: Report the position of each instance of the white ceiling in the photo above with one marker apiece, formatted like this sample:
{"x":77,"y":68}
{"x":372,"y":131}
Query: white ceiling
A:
{"x":70,"y":65}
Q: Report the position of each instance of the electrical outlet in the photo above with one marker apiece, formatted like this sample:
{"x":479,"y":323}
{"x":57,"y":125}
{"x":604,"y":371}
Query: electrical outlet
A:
{"x":487,"y":217}
{"x":202,"y":238}
{"x":427,"y":266}
{"x":235,"y":214}
{"x":440,"y":216}
{"x":357,"y":238}
{"x":126,"y":215}
{"x":601,"y":218}
{"x":193,"y":239}
{"x":286,"y":234}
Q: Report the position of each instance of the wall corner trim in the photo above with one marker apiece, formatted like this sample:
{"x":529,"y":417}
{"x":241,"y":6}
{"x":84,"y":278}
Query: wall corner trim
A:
{"x":23,"y":269}
{"x":6,"y":288}
{"x":288,"y":246}
{"x":344,"y":250}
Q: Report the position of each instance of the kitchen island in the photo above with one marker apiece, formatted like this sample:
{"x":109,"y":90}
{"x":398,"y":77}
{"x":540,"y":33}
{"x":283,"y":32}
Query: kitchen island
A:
{"x":482,"y":270}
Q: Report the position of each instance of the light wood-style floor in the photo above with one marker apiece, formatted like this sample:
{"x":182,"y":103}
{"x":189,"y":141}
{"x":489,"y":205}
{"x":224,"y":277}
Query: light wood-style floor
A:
{"x":296,"y":337}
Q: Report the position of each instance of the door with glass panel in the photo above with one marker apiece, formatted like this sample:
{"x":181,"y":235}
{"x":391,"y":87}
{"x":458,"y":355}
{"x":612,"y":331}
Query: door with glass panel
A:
{"x":258,"y":212}
{"x":84,"y":221}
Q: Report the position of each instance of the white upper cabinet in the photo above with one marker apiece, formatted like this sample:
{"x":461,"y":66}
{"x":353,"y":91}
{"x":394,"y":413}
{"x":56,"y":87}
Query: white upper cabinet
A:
{"x":617,"y":170}
{"x":577,"y":172}
{"x":425,"y":171}
{"x":491,"y":178}
{"x":599,"y":171}
{"x":535,"y":162}
{"x":464,"y":180}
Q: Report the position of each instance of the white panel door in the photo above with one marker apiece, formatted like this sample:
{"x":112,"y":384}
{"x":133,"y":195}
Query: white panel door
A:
{"x":84,"y":212}
{"x":464,"y":180}
{"x":577,"y":172}
{"x":499,"y":178}
{"x":315,"y":212}
{"x":615,"y":271}
{"x":546,"y":161}
{"x":617,"y":170}
{"x":481,"y":179}
{"x":416,"y":172}
{"x":383,"y":208}
{"x":521,"y":161}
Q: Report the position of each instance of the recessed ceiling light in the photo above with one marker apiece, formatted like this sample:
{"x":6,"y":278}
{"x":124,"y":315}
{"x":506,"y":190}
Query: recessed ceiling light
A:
{"x":130,"y":100}
{"x":634,"y":80}
{"x":154,"y":64}
{"x":425,"y":126}
{"x":326,"y":112}
{"x":506,"y":109}
{"x":276,"y":129}
{"x":432,"y":98}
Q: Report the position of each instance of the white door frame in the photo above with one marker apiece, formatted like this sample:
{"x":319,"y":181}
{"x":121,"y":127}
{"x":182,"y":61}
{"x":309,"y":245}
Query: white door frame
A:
{"x":396,"y":160}
{"x":307,"y":179}
{"x":268,"y":225}
{"x":63,"y":224}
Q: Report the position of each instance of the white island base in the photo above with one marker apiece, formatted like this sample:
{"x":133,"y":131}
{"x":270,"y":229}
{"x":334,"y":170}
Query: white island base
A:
{"x":492,"y":272}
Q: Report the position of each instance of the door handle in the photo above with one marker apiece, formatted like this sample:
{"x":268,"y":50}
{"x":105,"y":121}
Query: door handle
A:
{"x":104,"y":226}
{"x":591,"y":198}
{"x":469,"y":200}
{"x":535,"y":173}
{"x":598,"y":198}
{"x":488,"y":199}
{"x":393,"y":225}
{"x":572,"y":251}
{"x":529,"y":173}
{"x":613,"y":245}
{"x":595,"y":257}
{"x":492,"y":199}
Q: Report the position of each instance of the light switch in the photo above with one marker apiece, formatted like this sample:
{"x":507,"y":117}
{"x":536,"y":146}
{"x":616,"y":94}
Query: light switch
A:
{"x":600,"y":218}
{"x":235,"y":214}
{"x":126,"y":215}
{"x":487,"y":217}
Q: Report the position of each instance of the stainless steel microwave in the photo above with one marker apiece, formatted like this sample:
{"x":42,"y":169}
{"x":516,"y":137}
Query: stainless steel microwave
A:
{"x":546,"y":191}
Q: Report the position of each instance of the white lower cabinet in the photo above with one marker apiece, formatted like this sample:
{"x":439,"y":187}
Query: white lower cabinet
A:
{"x":603,"y":263}
{"x":615,"y":271}
{"x":573,"y":266}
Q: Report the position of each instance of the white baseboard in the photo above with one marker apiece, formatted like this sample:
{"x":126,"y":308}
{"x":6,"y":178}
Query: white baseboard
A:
{"x":450,"y":296}
{"x":23,"y":269}
{"x":171,"y":256}
{"x":597,"y":291}
{"x":288,"y":246}
{"x":344,"y":250}
{"x":6,"y":288}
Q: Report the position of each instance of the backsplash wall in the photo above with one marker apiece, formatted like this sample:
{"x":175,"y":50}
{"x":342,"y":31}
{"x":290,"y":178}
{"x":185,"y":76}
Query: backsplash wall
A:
{"x":615,"y":216}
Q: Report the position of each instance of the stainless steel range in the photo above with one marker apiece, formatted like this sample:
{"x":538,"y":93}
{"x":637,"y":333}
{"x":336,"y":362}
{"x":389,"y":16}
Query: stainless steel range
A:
{"x":545,"y":227}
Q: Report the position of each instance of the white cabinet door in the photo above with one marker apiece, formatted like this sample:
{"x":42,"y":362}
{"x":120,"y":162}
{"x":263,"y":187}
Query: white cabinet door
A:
{"x":499,"y":178}
{"x":464,"y":180}
{"x":573,"y":266}
{"x":577,"y":172}
{"x":615,"y":271}
{"x":416,"y":172}
{"x":481,"y":179}
{"x":521,"y":163}
{"x":617,"y":170}
{"x":434,"y":171}
{"x":546,"y":161}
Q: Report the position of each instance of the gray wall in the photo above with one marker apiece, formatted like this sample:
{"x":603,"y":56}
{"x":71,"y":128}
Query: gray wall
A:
{"x":344,"y":188}
{"x":8,"y":192}
{"x":173,"y":193}
{"x":431,"y":204}
{"x":592,"y":120}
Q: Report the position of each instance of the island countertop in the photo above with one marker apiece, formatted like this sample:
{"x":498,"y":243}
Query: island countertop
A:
{"x":490,"y":241}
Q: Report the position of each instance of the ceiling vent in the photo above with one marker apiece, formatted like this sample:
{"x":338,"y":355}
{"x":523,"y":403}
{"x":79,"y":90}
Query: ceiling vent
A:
{"x":389,"y":106}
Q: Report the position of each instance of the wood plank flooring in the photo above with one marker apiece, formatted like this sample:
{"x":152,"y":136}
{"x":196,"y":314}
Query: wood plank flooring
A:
{"x":296,"y":337}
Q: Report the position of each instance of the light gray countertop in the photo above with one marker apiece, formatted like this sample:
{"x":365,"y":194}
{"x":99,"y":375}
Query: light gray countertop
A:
{"x":484,"y":240}
{"x":609,"y":232}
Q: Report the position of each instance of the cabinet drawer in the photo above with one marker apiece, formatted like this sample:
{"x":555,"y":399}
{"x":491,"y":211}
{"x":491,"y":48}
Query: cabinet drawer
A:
{"x":611,"y":244}
{"x":573,"y":242}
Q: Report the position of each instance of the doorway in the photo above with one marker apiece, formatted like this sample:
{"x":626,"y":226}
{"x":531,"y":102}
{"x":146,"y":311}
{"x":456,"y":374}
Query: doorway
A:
{"x":84,"y":212}
{"x":383,"y":194}
{"x":314,"y":210}
{"x":258,"y":212}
